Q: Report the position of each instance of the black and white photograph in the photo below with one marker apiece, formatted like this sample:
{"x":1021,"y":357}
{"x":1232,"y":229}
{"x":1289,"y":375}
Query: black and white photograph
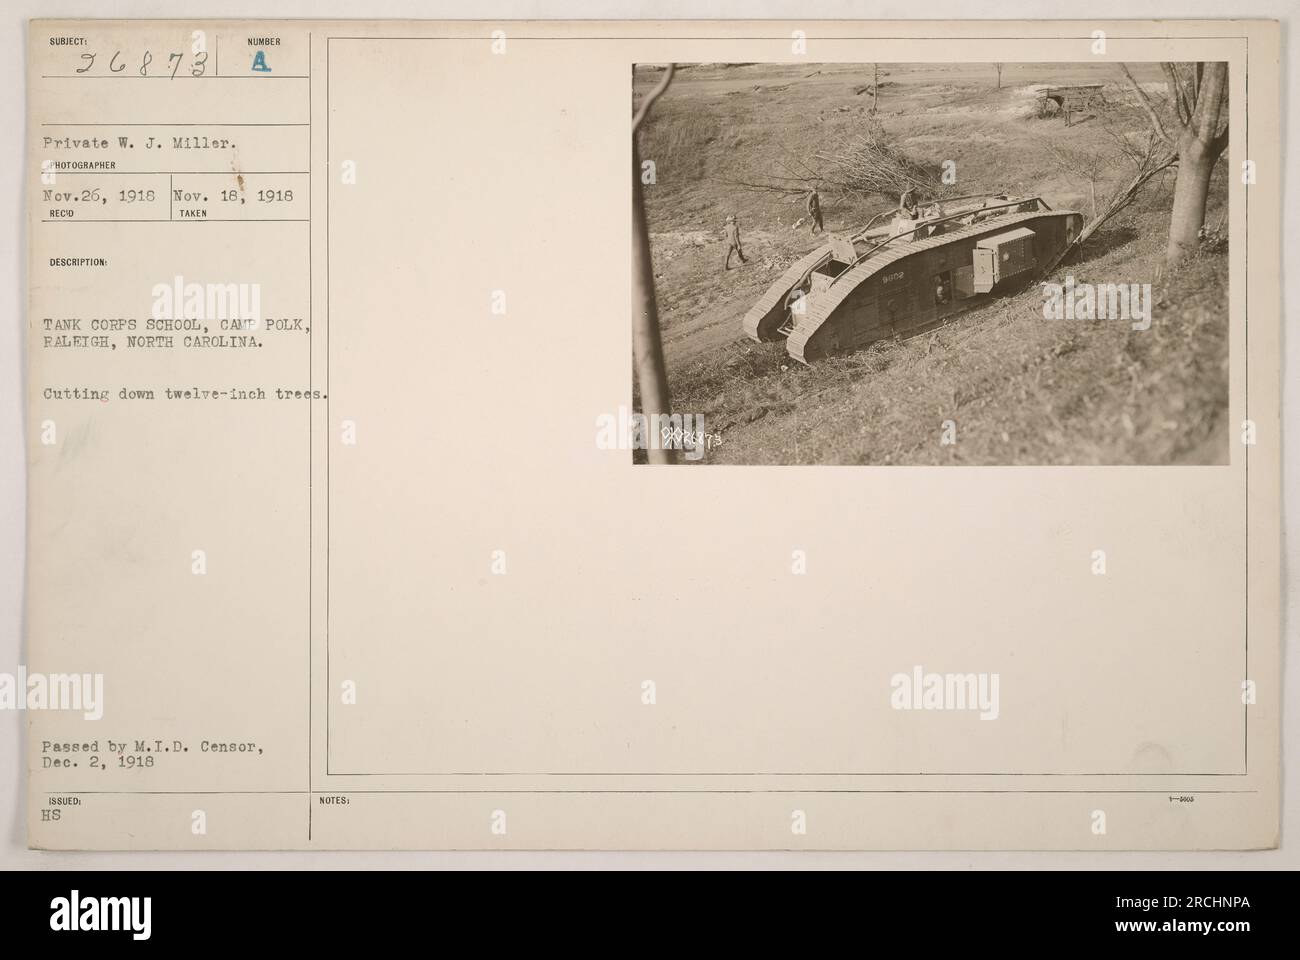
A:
{"x":935,"y":263}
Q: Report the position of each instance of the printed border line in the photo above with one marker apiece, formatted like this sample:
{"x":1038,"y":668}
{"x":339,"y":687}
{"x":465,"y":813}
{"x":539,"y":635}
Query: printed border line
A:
{"x":948,"y":38}
{"x":311,"y":433}
{"x":339,"y":793}
{"x":1245,"y":301}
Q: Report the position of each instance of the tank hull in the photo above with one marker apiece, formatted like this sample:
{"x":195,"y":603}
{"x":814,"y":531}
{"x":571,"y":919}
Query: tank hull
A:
{"x":825,"y":306}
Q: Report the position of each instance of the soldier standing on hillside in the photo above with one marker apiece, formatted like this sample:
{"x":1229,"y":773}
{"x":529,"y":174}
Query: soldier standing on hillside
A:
{"x":907,"y":203}
{"x":733,"y":242}
{"x":815,"y":210}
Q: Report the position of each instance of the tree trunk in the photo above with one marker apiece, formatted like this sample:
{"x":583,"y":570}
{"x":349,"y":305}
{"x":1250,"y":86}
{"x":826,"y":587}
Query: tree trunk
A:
{"x":647,"y":347}
{"x":1199,"y":146}
{"x":1191,"y":190}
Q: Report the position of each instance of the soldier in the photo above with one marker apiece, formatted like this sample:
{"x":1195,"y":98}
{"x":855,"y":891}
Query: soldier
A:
{"x":733,"y":242}
{"x":907,"y":203}
{"x":815,"y":210}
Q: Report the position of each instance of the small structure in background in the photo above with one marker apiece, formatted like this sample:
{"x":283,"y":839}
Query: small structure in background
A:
{"x":1074,"y":98}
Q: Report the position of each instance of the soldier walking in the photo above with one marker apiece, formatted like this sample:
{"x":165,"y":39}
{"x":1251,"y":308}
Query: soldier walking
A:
{"x":815,"y":211}
{"x":733,"y":242}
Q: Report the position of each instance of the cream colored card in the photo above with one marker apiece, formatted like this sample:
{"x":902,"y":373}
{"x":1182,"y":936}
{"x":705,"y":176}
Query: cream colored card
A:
{"x":341,"y":530}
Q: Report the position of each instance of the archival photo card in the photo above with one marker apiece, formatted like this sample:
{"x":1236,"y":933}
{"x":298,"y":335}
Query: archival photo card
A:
{"x":358,"y":515}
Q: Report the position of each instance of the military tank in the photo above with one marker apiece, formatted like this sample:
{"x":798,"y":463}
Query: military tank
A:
{"x":897,"y":277}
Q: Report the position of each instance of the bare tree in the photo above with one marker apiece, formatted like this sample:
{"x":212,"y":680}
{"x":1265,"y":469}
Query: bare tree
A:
{"x":1200,"y":104}
{"x":1148,"y":156}
{"x":873,"y":86}
{"x":647,"y":345}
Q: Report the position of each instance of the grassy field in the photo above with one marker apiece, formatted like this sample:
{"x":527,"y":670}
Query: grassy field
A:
{"x":1020,"y":389}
